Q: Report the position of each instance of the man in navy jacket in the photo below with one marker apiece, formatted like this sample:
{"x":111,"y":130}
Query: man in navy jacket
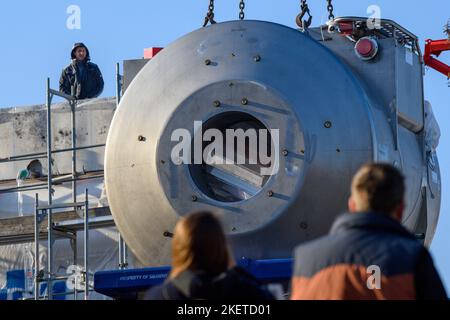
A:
{"x":368,"y":253}
{"x":82,"y":78}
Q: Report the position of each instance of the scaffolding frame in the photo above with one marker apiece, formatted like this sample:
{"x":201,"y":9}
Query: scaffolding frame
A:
{"x":41,"y":212}
{"x":70,"y":230}
{"x":123,"y":250}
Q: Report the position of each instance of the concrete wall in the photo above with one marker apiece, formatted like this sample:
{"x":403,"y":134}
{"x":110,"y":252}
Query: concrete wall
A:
{"x":23,"y":130}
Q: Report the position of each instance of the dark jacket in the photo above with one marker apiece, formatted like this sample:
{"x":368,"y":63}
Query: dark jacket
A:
{"x":235,"y":284}
{"x":86,"y":86}
{"x":343,"y":264}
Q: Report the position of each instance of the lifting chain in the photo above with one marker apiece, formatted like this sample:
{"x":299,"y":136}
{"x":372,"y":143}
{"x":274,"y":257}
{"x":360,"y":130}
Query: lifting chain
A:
{"x":304,"y":24}
{"x":330,"y":10}
{"x":242,"y":7}
{"x":210,"y":15}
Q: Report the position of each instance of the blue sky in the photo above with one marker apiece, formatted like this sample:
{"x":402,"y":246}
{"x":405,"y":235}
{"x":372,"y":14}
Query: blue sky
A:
{"x":35,"y":44}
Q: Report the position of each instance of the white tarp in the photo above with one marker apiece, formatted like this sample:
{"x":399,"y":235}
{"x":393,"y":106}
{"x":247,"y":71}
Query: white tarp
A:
{"x":23,"y":131}
{"x":432,"y":130}
{"x":103,"y":255}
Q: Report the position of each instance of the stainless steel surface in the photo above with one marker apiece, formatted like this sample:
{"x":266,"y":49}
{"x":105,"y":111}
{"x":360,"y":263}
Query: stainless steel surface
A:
{"x":410,"y":97}
{"x":391,"y":29}
{"x":394,"y":84}
{"x":130,"y":69}
{"x":334,"y":113}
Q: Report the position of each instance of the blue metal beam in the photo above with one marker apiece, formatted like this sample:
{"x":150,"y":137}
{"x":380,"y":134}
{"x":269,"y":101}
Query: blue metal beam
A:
{"x":126,"y":284}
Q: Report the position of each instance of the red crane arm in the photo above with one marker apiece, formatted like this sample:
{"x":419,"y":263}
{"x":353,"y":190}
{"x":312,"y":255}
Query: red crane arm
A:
{"x":436,"y":47}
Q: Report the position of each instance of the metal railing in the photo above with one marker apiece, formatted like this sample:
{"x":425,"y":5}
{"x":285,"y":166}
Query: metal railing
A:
{"x":123,"y":263}
{"x":46,"y":211}
{"x":40,"y":214}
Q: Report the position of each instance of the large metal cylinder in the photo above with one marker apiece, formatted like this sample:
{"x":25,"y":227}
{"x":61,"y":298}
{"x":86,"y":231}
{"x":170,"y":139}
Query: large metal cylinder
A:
{"x":248,"y":74}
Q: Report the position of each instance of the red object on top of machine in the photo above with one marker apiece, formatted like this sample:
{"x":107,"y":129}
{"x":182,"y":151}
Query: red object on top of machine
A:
{"x":150,"y":53}
{"x":436,"y":47}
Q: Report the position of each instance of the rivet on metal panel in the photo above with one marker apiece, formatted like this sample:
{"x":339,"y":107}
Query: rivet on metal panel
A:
{"x":142,"y":139}
{"x":332,"y":28}
{"x":217,"y":103}
{"x":244,"y":101}
{"x":168,"y":234}
{"x":328,"y":124}
{"x":257,"y":58}
{"x":194,"y":198}
{"x":207,"y":62}
{"x":270,"y":193}
{"x":285,"y":152}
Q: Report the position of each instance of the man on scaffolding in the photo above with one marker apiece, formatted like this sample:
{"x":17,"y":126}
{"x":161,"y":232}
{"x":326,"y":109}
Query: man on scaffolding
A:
{"x":82,"y":79}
